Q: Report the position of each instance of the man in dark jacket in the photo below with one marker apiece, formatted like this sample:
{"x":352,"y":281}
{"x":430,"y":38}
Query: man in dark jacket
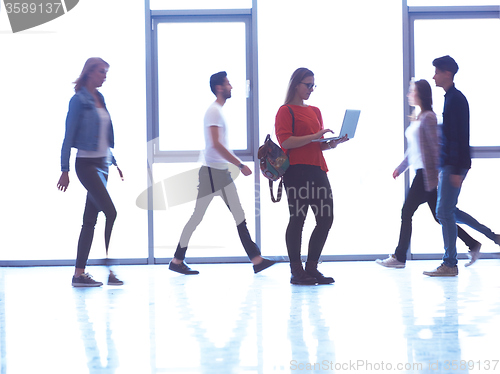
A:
{"x":455,"y":160}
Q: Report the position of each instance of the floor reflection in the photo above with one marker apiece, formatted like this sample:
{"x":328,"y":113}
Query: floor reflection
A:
{"x":216,"y":328}
{"x":433,"y":333}
{"x":228,"y":320}
{"x":104,"y":357}
{"x":308,"y":332}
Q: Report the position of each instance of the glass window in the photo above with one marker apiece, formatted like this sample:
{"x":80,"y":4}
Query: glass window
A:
{"x":216,"y":236}
{"x":342,"y":47}
{"x":470,"y":42}
{"x":188,"y":55}
{"x":42,"y":222}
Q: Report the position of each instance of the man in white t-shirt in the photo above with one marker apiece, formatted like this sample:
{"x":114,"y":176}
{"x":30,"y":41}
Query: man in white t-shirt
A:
{"x":215,"y":180}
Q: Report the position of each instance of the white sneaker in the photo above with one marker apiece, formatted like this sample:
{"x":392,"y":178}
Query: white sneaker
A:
{"x":473,"y":254}
{"x":391,"y":262}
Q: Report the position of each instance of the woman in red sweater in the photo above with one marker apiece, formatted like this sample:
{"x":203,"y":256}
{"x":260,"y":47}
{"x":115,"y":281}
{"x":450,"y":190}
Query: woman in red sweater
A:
{"x":306,"y":182}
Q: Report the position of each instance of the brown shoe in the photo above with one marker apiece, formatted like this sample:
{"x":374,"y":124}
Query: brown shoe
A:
{"x":443,"y":271}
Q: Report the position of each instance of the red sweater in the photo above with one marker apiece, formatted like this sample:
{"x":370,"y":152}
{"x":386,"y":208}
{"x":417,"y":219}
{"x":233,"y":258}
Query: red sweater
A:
{"x":308,"y":121}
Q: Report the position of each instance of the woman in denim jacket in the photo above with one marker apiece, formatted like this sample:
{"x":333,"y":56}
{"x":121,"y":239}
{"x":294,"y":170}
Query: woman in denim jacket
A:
{"x":89,"y":129}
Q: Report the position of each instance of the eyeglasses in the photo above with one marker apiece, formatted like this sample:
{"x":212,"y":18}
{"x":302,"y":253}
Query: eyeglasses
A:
{"x":309,"y":86}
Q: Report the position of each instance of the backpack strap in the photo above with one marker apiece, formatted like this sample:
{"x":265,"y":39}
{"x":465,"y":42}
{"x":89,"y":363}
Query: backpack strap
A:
{"x":279,"y":193}
{"x":280,"y":185}
{"x":293,"y":118}
{"x":293,"y":127}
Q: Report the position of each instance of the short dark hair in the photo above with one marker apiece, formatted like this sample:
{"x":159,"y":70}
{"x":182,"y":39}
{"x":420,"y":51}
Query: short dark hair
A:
{"x":446,"y":63}
{"x":217,"y":79}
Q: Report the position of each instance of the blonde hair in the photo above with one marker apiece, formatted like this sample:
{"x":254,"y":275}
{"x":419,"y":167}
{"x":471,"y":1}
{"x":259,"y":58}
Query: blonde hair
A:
{"x":89,"y":67}
{"x":297,"y":77}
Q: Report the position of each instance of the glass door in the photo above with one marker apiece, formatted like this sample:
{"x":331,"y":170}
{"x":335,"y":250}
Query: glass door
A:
{"x":471,"y":38}
{"x":188,"y":49}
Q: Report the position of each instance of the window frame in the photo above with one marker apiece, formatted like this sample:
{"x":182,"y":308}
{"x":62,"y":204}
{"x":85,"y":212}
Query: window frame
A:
{"x":154,"y":154}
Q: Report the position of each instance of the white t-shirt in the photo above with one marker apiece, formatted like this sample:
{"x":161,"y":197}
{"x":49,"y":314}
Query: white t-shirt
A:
{"x":412,"y":134}
{"x":103,"y":143}
{"x":210,"y":156}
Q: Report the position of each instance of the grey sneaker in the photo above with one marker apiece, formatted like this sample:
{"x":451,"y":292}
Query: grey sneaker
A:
{"x":85,"y":280}
{"x":391,"y":262}
{"x":443,"y":271}
{"x":473,"y":254}
{"x":113,"y":280}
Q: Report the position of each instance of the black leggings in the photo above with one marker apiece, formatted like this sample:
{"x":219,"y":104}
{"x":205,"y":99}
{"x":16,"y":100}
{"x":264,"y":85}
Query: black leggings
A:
{"x":93,"y":174}
{"x":417,"y":195}
{"x":307,"y":186}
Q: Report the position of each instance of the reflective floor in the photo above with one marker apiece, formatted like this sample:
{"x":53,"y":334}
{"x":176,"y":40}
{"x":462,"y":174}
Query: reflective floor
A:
{"x":228,"y":320}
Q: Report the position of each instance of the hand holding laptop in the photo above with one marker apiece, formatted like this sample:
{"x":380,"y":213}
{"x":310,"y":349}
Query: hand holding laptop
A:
{"x":336,"y":141}
{"x":348,"y":127}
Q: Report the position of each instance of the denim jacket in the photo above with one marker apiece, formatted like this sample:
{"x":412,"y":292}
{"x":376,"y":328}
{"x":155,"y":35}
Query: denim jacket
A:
{"x":82,"y":126}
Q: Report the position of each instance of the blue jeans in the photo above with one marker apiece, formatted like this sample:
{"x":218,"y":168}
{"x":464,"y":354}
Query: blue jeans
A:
{"x":446,"y":213}
{"x":466,"y":219}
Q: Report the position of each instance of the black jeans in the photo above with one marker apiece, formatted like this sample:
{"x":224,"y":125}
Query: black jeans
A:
{"x":417,"y":195}
{"x":307,"y":186}
{"x":93,"y":174}
{"x":216,"y":182}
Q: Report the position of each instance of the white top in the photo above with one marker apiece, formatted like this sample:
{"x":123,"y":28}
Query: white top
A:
{"x":103,"y":143}
{"x":210,"y":156}
{"x":412,"y":134}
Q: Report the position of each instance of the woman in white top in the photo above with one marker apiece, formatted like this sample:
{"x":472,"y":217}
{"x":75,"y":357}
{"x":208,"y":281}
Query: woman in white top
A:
{"x":90,"y":130}
{"x":422,"y":156}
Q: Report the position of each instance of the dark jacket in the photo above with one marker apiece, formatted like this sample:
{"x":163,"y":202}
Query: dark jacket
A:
{"x":455,"y":149}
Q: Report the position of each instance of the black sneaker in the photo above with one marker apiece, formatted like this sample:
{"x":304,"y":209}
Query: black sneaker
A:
{"x":302,"y":279}
{"x":320,"y":278}
{"x":299,"y":276}
{"x":182,"y":268}
{"x":263,"y":265}
{"x":85,"y":280}
{"x":113,"y":280}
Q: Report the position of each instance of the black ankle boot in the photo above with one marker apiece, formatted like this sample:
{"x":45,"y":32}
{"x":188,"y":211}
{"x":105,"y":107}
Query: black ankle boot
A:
{"x":312,"y":270}
{"x":299,"y":276}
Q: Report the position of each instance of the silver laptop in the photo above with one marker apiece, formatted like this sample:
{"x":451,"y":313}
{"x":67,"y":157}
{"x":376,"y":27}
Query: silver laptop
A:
{"x":349,"y":125}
